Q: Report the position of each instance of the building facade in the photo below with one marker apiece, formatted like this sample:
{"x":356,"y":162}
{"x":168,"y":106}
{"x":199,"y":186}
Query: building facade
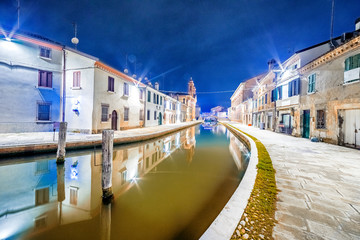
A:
{"x":30,"y":79}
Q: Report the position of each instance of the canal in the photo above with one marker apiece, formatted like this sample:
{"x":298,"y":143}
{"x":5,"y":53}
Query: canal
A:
{"x":167,"y":188}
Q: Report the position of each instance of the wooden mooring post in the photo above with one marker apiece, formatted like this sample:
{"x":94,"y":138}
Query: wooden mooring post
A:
{"x":107,"y":157}
{"x":60,"y":157}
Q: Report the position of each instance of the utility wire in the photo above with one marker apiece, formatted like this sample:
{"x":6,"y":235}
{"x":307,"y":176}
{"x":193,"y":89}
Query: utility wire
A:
{"x":199,"y":92}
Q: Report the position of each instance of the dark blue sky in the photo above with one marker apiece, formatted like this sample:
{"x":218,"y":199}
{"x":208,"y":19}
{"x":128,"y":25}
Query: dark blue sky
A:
{"x":218,"y":43}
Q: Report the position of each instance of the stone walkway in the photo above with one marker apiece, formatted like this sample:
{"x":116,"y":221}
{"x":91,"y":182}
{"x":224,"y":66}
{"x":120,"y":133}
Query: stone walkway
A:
{"x":319,"y":187}
{"x":22,"y":142}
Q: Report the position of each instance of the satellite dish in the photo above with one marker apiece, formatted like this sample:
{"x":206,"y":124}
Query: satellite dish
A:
{"x":75,"y":40}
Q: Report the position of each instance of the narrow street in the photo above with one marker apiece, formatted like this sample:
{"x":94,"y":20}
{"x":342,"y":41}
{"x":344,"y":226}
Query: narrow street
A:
{"x":318,"y":187}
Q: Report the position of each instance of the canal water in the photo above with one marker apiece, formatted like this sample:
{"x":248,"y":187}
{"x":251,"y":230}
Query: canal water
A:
{"x":168,"y":188}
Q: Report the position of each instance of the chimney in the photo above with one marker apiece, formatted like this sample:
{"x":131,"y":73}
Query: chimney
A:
{"x":150,"y":84}
{"x":157,"y":86}
{"x":271,"y":64}
{"x":357,"y":24}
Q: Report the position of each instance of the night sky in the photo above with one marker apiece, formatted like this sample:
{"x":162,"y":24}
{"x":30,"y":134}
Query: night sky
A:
{"x":218,"y":43}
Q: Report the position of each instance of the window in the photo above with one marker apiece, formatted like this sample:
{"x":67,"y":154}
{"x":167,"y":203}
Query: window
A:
{"x":266,"y":98}
{"x":154,"y":99}
{"x":148,"y":115}
{"x":41,"y":196}
{"x":154,"y":115}
{"x":126,"y":89}
{"x":104,"y":112}
{"x":45,"y":79}
{"x":42,"y":167}
{"x":161,"y":100}
{"x":43,"y":111}
{"x":141,"y":94}
{"x":126,"y":114}
{"x":76,"y":79}
{"x":45,"y":52}
{"x":294,"y":87}
{"x":73,"y":195}
{"x":320,"y":119}
{"x":141,"y":116}
{"x":183,"y":100}
{"x":352,"y":62}
{"x":149,"y":96}
{"x":157,"y":99}
{"x":311,"y":84}
{"x":110,"y":84}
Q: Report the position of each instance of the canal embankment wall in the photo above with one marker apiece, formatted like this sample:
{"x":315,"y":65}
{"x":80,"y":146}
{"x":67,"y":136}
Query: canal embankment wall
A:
{"x":226,"y":222}
{"x":16,"y":144}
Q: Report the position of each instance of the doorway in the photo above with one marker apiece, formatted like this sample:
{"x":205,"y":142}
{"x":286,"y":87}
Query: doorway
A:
{"x":352,"y":128}
{"x":114,"y":119}
{"x":306,"y":124}
{"x":160,"y":119}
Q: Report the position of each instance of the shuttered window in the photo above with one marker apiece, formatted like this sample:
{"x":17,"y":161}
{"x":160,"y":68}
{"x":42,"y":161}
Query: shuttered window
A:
{"x":311,"y":84}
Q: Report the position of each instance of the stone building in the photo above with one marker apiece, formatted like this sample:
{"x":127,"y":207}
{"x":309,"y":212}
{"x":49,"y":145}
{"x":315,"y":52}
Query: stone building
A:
{"x":264,"y":108}
{"x":330,"y":97}
{"x":189,"y":100}
{"x":242,"y":94}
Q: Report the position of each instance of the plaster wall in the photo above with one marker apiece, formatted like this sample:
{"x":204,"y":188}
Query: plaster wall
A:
{"x":79,"y":98}
{"x":19,"y":94}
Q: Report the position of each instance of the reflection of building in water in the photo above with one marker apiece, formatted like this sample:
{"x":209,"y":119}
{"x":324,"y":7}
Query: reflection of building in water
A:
{"x":219,"y":130}
{"x":238,"y":151}
{"x":30,"y":199}
{"x":189,"y":144}
{"x":36,"y":196}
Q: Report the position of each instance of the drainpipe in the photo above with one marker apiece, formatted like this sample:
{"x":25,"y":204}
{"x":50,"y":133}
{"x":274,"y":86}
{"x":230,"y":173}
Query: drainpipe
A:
{"x":63,"y":92}
{"x":145,"y":112}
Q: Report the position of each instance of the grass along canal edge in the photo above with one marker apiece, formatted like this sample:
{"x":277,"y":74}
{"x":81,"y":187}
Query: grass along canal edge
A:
{"x":258,"y":219}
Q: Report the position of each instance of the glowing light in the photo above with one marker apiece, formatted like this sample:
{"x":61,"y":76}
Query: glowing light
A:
{"x":8,"y":39}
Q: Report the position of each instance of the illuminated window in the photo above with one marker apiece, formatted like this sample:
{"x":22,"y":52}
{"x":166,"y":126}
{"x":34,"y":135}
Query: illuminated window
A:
{"x":45,"y":79}
{"x":126,"y":89}
{"x":110,"y":84}
{"x":104,"y":112}
{"x":76,"y":79}
{"x":74,"y":195}
{"x":320,"y":119}
{"x":45,"y":52}
{"x":126,"y":114}
{"x":43,"y":111}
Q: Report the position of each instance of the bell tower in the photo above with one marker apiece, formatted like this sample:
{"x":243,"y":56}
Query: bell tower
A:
{"x":191,"y":88}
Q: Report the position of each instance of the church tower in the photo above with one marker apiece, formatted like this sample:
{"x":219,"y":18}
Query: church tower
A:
{"x":191,"y":88}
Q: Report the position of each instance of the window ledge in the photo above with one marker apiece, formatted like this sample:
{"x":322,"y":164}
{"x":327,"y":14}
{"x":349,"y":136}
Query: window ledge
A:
{"x":76,"y":88}
{"x":351,"y":82}
{"x":45,"y":58}
{"x":43,"y":121}
{"x":111,"y":91}
{"x":42,"y":87}
{"x":126,"y":96}
{"x":311,"y":93}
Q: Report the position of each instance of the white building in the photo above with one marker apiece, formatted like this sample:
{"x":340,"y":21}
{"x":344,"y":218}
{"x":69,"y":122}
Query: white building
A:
{"x":154,"y":106}
{"x":100,"y":97}
{"x":30,"y":79}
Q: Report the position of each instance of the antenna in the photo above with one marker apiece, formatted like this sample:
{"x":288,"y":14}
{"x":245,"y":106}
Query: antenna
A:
{"x":332,"y":24}
{"x":75,"y":40}
{"x":18,"y":14}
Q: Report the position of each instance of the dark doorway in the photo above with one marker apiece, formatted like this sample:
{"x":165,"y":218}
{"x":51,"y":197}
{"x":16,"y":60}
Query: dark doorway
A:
{"x":114,"y":119}
{"x":160,"y":119}
{"x":306,"y":124}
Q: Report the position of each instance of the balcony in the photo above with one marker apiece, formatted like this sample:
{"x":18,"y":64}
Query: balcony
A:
{"x":352,"y":75}
{"x":294,"y":100}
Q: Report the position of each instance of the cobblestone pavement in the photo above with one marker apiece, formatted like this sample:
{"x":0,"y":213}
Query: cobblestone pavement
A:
{"x":319,"y":187}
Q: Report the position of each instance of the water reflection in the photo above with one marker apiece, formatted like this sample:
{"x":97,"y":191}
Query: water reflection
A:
{"x":39,"y":198}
